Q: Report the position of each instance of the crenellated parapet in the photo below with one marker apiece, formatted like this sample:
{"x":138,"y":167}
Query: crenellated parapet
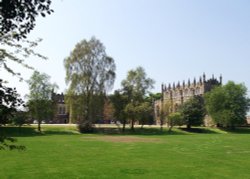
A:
{"x":177,"y":93}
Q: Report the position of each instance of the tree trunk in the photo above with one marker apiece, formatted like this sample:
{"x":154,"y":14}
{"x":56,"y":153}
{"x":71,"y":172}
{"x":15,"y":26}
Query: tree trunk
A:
{"x":123,"y":126}
{"x":188,"y":126}
{"x":161,"y":125}
{"x":132,"y":125}
{"x":39,"y":126}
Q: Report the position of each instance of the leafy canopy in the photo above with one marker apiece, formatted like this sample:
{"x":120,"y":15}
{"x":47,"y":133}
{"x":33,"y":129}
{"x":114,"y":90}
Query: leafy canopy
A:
{"x":193,"y":111}
{"x":228,"y":104}
{"x":18,"y":17}
{"x":90,"y":74}
{"x":40,"y":104}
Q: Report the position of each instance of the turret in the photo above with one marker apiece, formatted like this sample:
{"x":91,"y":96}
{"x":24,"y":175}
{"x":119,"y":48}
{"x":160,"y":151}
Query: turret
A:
{"x":204,"y":78}
{"x":162,"y":87}
{"x":178,"y":84}
{"x":183,"y":84}
{"x":221,"y":79}
{"x":194,"y":82}
{"x":189,"y":83}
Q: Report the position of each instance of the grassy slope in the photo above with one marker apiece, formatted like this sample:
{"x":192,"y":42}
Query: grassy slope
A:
{"x":59,"y":154}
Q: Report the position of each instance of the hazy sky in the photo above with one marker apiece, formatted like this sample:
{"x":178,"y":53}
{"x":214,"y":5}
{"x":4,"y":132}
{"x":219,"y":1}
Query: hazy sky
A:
{"x":172,"y":39}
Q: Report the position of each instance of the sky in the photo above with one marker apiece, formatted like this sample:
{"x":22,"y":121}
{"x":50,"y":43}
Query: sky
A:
{"x":173,"y":40}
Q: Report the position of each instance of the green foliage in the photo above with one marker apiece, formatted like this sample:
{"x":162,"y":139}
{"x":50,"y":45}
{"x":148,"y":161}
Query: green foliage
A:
{"x":228,"y":104}
{"x":7,"y":143}
{"x":136,"y":86}
{"x":193,"y":111}
{"x":17,"y":19}
{"x":10,"y":101}
{"x":120,"y":101}
{"x":19,"y":118}
{"x":175,"y":119}
{"x":90,"y":73}
{"x":18,"y":16}
{"x":40,"y":104}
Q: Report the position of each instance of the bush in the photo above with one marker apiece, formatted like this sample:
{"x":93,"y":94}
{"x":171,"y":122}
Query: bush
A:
{"x":85,"y":127}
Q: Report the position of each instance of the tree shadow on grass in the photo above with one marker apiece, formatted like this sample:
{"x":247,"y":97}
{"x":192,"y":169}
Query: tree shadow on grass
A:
{"x":198,"y":130}
{"x":28,"y":131}
{"x":237,"y":130}
{"x":137,"y":131}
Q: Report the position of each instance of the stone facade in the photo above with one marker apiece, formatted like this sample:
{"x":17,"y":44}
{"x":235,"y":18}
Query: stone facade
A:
{"x":176,"y":94}
{"x":61,"y":115}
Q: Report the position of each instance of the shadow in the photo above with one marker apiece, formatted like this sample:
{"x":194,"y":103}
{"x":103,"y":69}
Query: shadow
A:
{"x":237,"y":130}
{"x":137,"y":131}
{"x":31,"y":131}
{"x":199,"y":130}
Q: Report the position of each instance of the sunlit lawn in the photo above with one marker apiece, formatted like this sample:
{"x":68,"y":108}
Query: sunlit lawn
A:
{"x":62,"y":153}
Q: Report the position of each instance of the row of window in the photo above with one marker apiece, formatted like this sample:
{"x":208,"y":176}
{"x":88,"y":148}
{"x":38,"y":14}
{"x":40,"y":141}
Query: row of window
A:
{"x":61,"y":110}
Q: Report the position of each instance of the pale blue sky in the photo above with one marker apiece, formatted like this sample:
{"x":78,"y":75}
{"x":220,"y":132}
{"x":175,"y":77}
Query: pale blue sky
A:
{"x":173,"y":40}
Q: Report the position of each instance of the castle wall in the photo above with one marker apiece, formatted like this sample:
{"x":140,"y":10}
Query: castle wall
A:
{"x":173,"y":96}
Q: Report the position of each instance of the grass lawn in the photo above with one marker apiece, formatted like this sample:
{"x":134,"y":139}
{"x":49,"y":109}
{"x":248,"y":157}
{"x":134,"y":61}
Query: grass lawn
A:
{"x":62,"y":153}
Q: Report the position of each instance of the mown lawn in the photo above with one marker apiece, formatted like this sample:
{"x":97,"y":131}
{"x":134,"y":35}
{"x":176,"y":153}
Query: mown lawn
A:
{"x":62,"y":153}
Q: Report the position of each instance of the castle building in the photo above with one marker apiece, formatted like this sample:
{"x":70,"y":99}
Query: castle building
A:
{"x":173,"y":96}
{"x":61,"y":113}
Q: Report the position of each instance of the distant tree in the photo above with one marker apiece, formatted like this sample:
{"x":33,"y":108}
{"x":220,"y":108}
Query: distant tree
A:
{"x":166,"y":109}
{"x":40,"y":104}
{"x":90,"y":73}
{"x":136,"y":86}
{"x":175,"y":119}
{"x":228,"y":104}
{"x":145,"y":113}
{"x":18,"y":17}
{"x":108,"y":110}
{"x":120,"y":100}
{"x":193,"y":111}
{"x":19,"y":119}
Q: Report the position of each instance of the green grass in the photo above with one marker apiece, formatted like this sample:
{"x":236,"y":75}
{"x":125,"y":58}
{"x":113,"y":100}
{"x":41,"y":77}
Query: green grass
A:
{"x":59,"y":152}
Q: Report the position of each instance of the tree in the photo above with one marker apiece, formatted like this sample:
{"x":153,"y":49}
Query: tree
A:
{"x":228,"y":104}
{"x":18,"y":17}
{"x":193,"y":111}
{"x":136,"y":86}
{"x":10,"y":101}
{"x":90,"y":74}
{"x":175,"y":119}
{"x":166,"y":109}
{"x":19,"y":118}
{"x":145,"y":113}
{"x":40,"y":104}
{"x":120,"y":100}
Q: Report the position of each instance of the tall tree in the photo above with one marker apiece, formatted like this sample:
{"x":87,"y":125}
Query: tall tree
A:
{"x":136,"y":86}
{"x":193,"y":111}
{"x":228,"y":104}
{"x":90,"y":73}
{"x":40,"y":104}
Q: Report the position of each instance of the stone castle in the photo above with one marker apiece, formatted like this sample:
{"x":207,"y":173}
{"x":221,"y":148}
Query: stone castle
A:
{"x":176,"y":94}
